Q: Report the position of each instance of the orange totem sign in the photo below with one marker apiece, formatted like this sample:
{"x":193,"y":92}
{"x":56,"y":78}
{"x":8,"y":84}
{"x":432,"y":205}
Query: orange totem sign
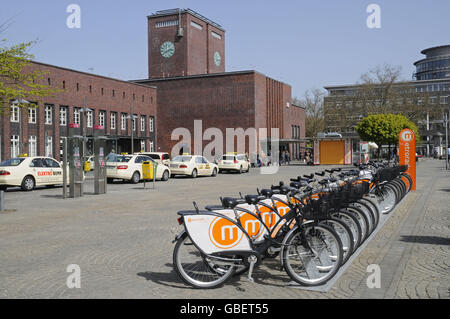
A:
{"x":407,"y":153}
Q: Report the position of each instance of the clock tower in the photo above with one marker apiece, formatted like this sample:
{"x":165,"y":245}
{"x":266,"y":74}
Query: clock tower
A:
{"x":182,"y":42}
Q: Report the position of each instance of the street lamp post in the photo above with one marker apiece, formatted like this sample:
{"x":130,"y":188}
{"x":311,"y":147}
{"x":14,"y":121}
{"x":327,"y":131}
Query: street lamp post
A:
{"x":132,"y":117}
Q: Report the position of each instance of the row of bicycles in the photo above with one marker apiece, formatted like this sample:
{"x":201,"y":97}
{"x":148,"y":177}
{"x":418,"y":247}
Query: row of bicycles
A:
{"x":313,"y":224}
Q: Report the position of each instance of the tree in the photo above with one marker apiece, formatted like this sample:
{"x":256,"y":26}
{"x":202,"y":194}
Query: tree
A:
{"x":17,"y":80}
{"x":312,"y":102}
{"x":384,"y":129}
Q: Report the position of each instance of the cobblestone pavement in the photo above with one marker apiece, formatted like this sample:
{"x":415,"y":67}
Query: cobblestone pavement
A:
{"x":122,"y":242}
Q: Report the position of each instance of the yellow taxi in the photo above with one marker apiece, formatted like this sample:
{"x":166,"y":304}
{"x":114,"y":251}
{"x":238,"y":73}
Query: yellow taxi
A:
{"x":192,"y":165}
{"x":234,"y":162}
{"x":129,"y":167}
{"x":29,"y":172}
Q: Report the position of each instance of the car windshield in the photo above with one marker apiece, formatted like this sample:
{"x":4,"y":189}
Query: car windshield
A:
{"x":182,"y":159}
{"x":228,"y":158}
{"x":12,"y":162}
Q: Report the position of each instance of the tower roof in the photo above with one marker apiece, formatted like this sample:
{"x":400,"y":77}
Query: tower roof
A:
{"x":170,"y":12}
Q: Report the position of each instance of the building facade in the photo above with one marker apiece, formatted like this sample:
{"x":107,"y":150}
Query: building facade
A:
{"x":85,"y":99}
{"x":187,"y":66}
{"x":182,"y":42}
{"x":428,"y":96}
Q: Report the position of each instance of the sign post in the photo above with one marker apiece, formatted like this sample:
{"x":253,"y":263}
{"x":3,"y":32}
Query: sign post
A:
{"x":407,"y":153}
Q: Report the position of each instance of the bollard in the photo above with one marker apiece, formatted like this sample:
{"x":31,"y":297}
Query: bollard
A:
{"x":2,"y":200}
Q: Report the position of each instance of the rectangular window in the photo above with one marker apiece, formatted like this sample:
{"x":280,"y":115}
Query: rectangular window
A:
{"x":32,"y":114}
{"x":216,"y":35}
{"x":63,"y":116}
{"x":89,"y":119}
{"x":143,"y":146}
{"x":76,"y":116}
{"x":143,"y":123}
{"x":14,"y":146}
{"x":32,"y":146}
{"x":123,"y":121}
{"x":15,"y":113}
{"x":48,"y":114}
{"x":101,"y":118}
{"x":113,"y":121}
{"x":134,"y":121}
{"x":49,"y":146}
{"x":152,"y":124}
{"x":196,"y":25}
{"x":444,"y":100}
{"x":152,"y":146}
{"x":163,"y":24}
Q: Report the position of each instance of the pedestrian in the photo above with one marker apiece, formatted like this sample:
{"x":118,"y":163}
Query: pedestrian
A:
{"x":288,"y":158}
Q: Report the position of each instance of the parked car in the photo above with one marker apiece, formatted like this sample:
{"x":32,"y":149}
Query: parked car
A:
{"x":129,"y":167}
{"x":234,"y":162}
{"x":29,"y":172}
{"x":193,"y":165}
{"x":159,"y":157}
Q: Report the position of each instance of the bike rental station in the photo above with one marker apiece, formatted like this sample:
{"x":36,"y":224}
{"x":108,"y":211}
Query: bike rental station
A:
{"x":315,"y":224}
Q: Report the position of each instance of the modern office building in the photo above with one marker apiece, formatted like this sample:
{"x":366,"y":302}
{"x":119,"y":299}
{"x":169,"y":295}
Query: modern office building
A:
{"x":429,"y":92}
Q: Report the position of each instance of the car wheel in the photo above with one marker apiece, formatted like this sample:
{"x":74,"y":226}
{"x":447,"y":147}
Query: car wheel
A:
{"x":136,"y":178}
{"x":165,"y":176}
{"x":240,"y":170}
{"x":3,"y":188}
{"x":28,"y":183}
{"x":194,"y":173}
{"x":110,"y":180}
{"x":214,"y":173}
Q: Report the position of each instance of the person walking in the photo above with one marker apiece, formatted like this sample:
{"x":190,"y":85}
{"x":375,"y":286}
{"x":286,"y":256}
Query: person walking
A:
{"x":288,"y":158}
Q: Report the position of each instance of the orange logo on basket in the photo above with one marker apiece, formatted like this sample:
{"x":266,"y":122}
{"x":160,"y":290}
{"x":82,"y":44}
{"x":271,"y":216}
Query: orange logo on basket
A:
{"x":251,"y":224}
{"x":224,"y":234}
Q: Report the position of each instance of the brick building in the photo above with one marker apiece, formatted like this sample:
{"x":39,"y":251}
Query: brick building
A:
{"x":37,"y":130}
{"x":187,"y":66}
{"x":187,"y":82}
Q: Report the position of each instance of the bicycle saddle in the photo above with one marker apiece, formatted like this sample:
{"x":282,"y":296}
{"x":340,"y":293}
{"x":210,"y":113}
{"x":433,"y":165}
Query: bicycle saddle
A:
{"x":252,"y":199}
{"x":267,"y":193}
{"x":324,"y":181}
{"x":231,"y":203}
{"x":213,"y":207}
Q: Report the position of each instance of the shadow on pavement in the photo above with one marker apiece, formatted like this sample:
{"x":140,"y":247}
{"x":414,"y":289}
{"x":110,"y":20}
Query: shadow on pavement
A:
{"x":169,"y":279}
{"x":431,"y":240}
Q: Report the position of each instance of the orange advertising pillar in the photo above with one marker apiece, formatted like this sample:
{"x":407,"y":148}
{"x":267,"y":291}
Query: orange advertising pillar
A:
{"x":407,"y":153}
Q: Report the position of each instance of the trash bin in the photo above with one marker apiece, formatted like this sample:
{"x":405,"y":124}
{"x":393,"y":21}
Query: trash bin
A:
{"x":149,"y":170}
{"x":87,"y":166}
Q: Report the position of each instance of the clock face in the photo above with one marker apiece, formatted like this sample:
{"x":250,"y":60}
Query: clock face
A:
{"x":217,"y":58}
{"x":167,"y":49}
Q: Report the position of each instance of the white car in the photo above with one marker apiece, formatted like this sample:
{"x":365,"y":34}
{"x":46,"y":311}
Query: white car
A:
{"x":129,"y":167}
{"x":234,"y":162}
{"x":160,"y":157}
{"x":29,"y":172}
{"x":192,"y":165}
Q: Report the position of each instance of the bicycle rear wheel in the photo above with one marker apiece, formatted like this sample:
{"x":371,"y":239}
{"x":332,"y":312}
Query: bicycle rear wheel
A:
{"x":312,"y":254}
{"x":195,"y":268}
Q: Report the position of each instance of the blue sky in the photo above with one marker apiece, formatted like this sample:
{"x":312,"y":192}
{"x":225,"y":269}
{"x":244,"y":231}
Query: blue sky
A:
{"x":307,"y":44}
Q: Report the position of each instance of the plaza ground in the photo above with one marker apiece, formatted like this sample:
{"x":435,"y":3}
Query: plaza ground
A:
{"x":122,"y":242}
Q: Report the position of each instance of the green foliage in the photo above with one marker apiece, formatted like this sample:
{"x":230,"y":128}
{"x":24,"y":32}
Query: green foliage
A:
{"x":17,"y":80}
{"x":384,"y":128}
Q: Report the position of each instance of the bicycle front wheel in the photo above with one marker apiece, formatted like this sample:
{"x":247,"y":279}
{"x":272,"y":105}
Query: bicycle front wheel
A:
{"x":195,"y":268}
{"x":312,"y":254}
